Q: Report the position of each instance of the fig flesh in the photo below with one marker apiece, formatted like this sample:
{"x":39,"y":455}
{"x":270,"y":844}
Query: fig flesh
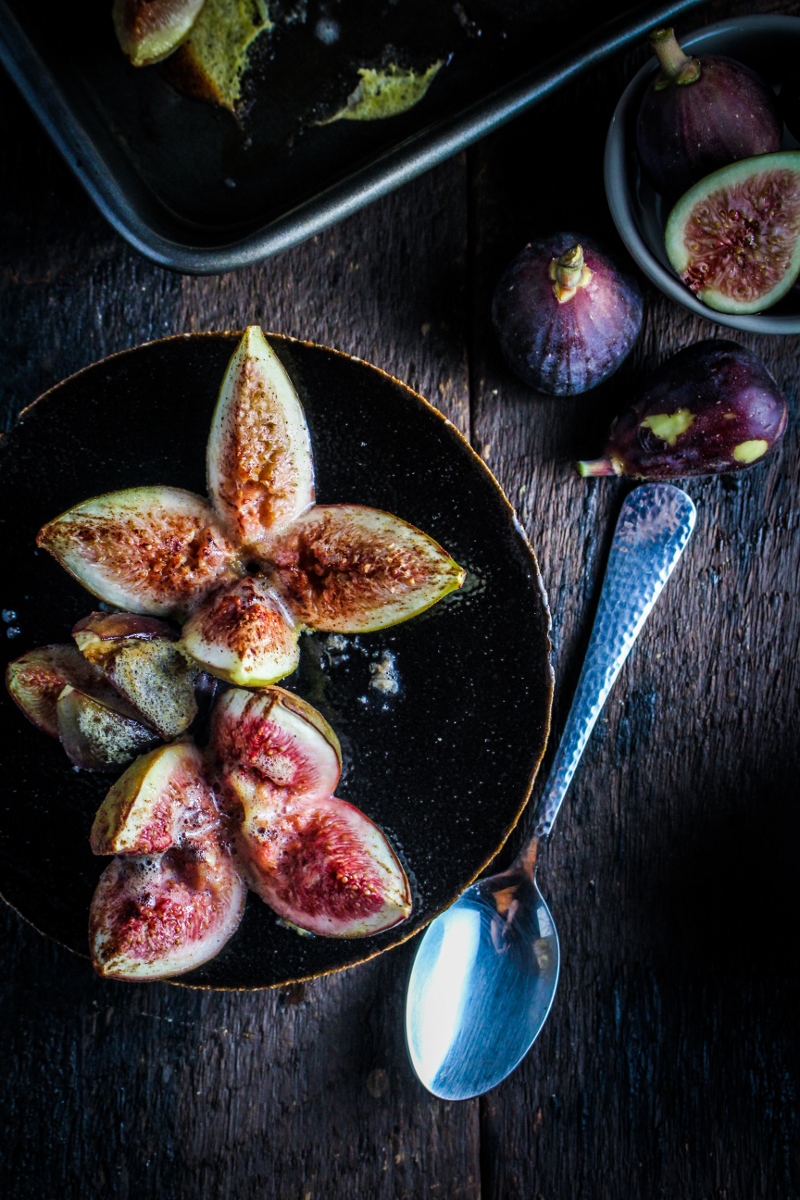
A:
{"x":99,"y":735}
{"x":713,"y":407}
{"x":566,"y":315}
{"x":260,"y":466}
{"x":140,"y":659}
{"x":244,"y":634}
{"x":734,"y":238}
{"x":700,"y":114}
{"x":320,"y":864}
{"x":344,"y":568}
{"x":277,"y":738}
{"x":149,"y":30}
{"x":37,"y":679}
{"x":173,"y":897}
{"x":153,"y":550}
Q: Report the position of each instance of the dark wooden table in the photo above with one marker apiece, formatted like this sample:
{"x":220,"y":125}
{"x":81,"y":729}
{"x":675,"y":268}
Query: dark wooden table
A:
{"x":669,"y":1065}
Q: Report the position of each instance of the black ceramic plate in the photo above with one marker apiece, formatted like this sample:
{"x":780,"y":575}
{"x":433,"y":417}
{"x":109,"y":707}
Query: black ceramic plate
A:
{"x":445,"y":766}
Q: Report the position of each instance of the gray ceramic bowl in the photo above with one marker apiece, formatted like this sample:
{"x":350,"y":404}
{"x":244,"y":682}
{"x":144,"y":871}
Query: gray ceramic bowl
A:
{"x":771,"y":46}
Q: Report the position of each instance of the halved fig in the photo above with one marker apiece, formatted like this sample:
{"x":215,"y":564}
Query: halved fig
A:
{"x":320,"y":864}
{"x":156,"y":917}
{"x":260,"y":466}
{"x":244,"y":634}
{"x":344,"y":568}
{"x":37,"y":679}
{"x":734,"y":238}
{"x":100,"y":735}
{"x":154,"y":550}
{"x":149,"y":30}
{"x":161,"y":800}
{"x":139,"y":657}
{"x":277,"y":738}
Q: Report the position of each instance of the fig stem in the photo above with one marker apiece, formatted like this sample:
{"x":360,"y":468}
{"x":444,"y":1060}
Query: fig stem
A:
{"x":676,"y":67}
{"x":597,"y":466}
{"x":569,"y":272}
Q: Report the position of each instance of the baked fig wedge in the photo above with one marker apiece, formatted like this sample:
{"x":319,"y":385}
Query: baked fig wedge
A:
{"x":344,"y":568}
{"x":154,"y":550}
{"x":37,"y":679}
{"x":244,"y":634}
{"x":149,"y":30}
{"x":145,"y":665}
{"x":162,"y":799}
{"x":275,"y":737}
{"x":260,"y":466}
{"x":99,"y":735}
{"x":320,"y":864}
{"x":173,"y":897}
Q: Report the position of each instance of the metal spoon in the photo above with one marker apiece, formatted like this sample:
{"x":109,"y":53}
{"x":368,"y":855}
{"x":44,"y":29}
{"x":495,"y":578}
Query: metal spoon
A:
{"x":485,"y":974}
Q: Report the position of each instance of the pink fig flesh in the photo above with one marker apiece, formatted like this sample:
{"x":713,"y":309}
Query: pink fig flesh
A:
{"x":700,"y":114}
{"x":160,"y":801}
{"x":157,"y":551}
{"x":100,"y":735}
{"x":244,"y":634}
{"x":149,"y":30}
{"x":713,"y":407}
{"x":321,"y":864}
{"x":277,"y":739}
{"x":174,"y":897}
{"x":348,"y":569}
{"x":260,"y":466}
{"x":156,"y":917}
{"x":37,"y":679}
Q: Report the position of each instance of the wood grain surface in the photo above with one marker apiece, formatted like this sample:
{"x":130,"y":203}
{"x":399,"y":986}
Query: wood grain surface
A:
{"x":669,"y":1066}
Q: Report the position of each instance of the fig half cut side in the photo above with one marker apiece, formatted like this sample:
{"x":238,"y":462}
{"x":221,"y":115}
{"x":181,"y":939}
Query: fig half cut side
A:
{"x":344,"y":568}
{"x":734,"y":238}
{"x":156,"y":917}
{"x":244,"y":634}
{"x":37,"y":679}
{"x":320,"y":864}
{"x":273,"y":738}
{"x":99,"y":735}
{"x":154,"y":550}
{"x":260,"y":466}
{"x":97,"y":635}
{"x":149,"y":30}
{"x":160,"y":801}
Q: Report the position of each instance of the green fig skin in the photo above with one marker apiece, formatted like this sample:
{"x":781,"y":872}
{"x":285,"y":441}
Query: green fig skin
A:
{"x":714,"y":407}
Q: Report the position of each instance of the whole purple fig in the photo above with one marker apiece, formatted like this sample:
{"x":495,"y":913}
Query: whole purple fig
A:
{"x":565,"y":314}
{"x":700,"y":114}
{"x":713,"y":407}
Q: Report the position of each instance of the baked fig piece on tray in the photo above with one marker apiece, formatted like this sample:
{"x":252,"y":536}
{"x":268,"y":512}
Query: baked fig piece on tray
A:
{"x":149,"y":30}
{"x":260,"y":562}
{"x":318,"y":861}
{"x":172,"y":896}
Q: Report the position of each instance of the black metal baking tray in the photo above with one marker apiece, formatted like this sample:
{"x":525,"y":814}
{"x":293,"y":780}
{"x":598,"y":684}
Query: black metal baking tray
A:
{"x":200,"y":190}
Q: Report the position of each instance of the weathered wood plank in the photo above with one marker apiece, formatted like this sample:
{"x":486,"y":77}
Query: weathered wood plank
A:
{"x":669,"y":1063}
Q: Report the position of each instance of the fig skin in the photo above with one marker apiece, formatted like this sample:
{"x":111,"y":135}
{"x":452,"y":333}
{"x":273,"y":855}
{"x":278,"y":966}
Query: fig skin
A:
{"x":734,"y":238}
{"x":566,"y":314}
{"x":259,"y":460}
{"x":713,"y":407}
{"x":172,"y":897}
{"x":149,"y":30}
{"x":700,"y":114}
